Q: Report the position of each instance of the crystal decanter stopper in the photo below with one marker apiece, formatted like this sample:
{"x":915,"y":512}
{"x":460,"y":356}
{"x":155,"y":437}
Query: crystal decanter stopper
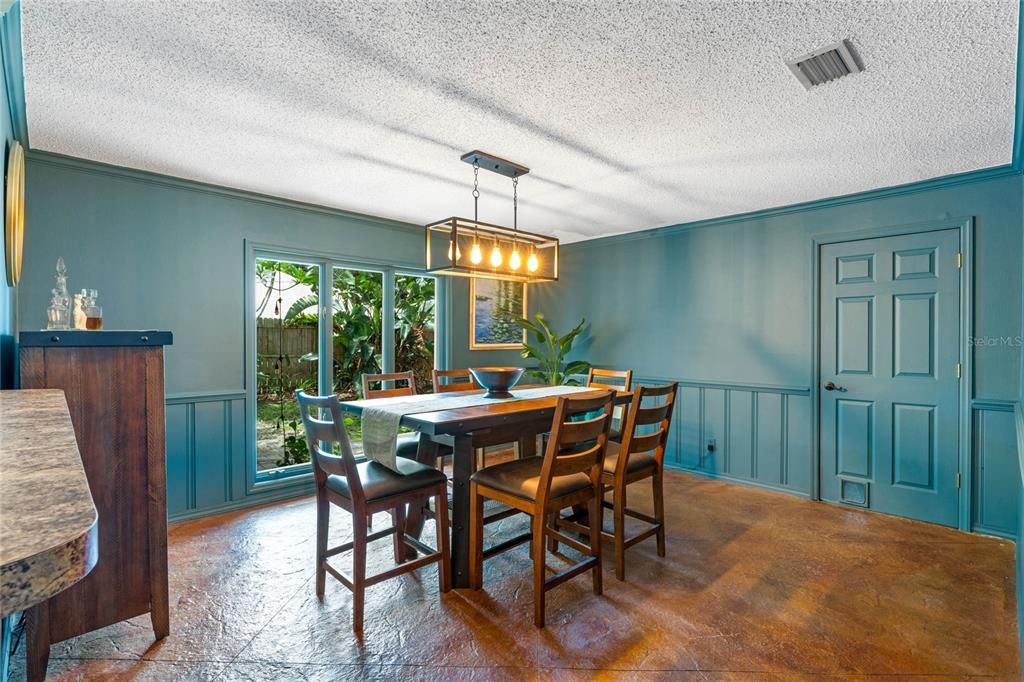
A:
{"x":58,"y":314}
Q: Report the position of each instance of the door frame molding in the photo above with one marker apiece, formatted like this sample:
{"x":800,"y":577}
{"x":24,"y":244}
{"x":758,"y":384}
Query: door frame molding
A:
{"x":965,"y":225}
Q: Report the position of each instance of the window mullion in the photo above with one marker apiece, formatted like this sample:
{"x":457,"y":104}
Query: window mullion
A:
{"x":387,"y":342}
{"x":326,"y":330}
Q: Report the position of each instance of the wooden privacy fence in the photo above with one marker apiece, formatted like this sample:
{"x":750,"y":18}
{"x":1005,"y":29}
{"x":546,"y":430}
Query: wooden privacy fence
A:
{"x":273,"y":340}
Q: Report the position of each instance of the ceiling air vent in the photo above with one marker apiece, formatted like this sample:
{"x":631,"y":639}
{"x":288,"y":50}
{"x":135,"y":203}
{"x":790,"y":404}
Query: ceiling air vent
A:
{"x":825,"y":64}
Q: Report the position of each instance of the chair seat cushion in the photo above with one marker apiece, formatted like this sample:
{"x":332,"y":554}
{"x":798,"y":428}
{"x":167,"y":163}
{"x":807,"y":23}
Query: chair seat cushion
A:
{"x":520,"y":477}
{"x":637,"y":460}
{"x":407,"y":444}
{"x":380,"y":482}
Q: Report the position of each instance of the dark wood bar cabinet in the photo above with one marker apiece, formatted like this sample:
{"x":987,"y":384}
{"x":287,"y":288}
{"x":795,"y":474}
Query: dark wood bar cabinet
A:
{"x":114,"y":384}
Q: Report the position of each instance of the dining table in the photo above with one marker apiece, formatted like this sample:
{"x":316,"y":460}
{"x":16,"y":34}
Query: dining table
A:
{"x":464,"y":429}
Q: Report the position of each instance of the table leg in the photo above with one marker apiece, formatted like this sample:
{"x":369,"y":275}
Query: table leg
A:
{"x":426,"y":453}
{"x":527,"y":446}
{"x":37,"y":641}
{"x":463,"y":468}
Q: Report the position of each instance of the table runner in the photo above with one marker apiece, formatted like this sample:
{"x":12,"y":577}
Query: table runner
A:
{"x":382,"y":416}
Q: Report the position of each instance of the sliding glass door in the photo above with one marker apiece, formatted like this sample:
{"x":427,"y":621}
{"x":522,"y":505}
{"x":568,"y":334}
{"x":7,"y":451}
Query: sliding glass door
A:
{"x":287,"y":357}
{"x":319,"y":325}
{"x":357,"y":298}
{"x":416,"y":328}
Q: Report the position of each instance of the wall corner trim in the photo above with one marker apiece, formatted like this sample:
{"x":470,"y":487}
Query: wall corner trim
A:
{"x":148,"y":177}
{"x":943,"y":182}
{"x":13,"y":71}
{"x":1018,"y":129}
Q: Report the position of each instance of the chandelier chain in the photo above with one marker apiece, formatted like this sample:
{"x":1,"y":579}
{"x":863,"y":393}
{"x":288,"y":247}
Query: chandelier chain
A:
{"x":476,"y":191}
{"x":515,"y":203}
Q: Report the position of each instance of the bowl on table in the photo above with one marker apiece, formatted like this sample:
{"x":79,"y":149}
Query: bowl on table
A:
{"x":497,"y":380}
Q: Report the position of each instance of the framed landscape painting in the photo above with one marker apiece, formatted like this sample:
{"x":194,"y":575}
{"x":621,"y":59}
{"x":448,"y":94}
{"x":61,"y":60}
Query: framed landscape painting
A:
{"x":495,"y":305}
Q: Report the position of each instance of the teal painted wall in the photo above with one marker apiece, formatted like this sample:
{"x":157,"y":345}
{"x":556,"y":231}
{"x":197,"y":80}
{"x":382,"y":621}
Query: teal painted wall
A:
{"x":10,"y":70}
{"x":170,"y":254}
{"x":1020,"y":397}
{"x":730,"y":304}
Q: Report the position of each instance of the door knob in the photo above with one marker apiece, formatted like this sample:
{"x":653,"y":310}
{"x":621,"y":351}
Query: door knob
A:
{"x":829,"y":386}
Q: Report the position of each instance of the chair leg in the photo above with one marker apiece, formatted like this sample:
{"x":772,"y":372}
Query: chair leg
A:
{"x":476,"y":538}
{"x":619,"y":509}
{"x":659,"y":511}
{"x":441,"y":522}
{"x":369,"y":521}
{"x":539,"y":593}
{"x":595,"y":538}
{"x":358,"y":570}
{"x":398,"y":521}
{"x":323,"y":515}
{"x":553,"y":523}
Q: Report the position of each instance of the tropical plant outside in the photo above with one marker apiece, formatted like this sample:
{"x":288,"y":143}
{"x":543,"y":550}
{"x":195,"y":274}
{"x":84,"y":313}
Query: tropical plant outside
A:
{"x":357,"y":329}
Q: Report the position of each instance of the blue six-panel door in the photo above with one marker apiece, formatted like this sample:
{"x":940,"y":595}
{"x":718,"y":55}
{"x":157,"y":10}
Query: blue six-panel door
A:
{"x":890,"y":327}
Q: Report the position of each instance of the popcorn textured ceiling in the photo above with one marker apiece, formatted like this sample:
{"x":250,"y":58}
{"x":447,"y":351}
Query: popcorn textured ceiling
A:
{"x":631,"y":115}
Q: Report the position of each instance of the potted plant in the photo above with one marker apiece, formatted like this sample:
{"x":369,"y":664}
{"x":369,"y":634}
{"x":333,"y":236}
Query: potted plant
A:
{"x":550,"y":350}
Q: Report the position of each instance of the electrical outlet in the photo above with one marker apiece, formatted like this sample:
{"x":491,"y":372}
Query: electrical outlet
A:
{"x":711,"y":444}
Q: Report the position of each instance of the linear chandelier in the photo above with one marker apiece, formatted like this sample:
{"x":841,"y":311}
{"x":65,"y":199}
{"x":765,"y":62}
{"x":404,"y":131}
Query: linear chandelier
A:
{"x":471,"y":248}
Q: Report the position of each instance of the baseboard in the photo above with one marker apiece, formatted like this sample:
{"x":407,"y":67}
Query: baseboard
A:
{"x":250,"y":501}
{"x":742,"y":481}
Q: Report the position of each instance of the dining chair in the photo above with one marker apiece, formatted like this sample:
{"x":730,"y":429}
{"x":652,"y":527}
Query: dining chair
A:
{"x":407,"y":443}
{"x":568,"y":474}
{"x":602,"y":378}
{"x":645,"y":437}
{"x":363,"y":489}
{"x":614,"y":380}
{"x":452,"y":380}
{"x":384,"y":391}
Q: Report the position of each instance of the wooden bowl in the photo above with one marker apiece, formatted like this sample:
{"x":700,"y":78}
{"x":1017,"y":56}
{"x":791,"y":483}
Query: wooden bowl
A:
{"x":497,"y":380}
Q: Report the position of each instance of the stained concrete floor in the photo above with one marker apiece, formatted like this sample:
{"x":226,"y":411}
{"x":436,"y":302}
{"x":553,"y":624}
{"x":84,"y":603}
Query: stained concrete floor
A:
{"x":756,"y":585}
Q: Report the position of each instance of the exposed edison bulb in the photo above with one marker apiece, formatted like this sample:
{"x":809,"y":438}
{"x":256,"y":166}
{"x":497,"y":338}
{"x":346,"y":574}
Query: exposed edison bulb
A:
{"x":515,"y":260}
{"x":458,"y":251}
{"x":475,"y":254}
{"x":495,"y":256}
{"x":532,"y":263}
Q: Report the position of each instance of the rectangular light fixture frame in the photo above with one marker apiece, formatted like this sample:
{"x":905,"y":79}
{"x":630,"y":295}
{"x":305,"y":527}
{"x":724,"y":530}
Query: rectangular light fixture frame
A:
{"x":442,"y":234}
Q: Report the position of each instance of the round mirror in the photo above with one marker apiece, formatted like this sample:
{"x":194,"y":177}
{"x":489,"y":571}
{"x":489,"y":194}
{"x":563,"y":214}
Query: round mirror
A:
{"x":14,"y":211}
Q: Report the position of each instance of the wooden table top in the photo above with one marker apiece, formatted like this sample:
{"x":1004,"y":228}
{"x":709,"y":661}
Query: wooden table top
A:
{"x":47,"y":516}
{"x":475,"y":417}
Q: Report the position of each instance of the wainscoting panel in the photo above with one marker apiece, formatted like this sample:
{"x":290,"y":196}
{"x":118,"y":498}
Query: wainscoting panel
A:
{"x":179,"y":458}
{"x":205,"y":452}
{"x":738,"y":448}
{"x":714,"y":425}
{"x":758,"y":434}
{"x":689,"y":427}
{"x":996,"y":474}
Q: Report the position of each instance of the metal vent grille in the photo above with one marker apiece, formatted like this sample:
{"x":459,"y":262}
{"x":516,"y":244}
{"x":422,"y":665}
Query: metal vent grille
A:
{"x":825,"y":64}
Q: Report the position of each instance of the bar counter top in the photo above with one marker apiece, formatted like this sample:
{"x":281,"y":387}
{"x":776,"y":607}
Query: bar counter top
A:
{"x":48,"y":537}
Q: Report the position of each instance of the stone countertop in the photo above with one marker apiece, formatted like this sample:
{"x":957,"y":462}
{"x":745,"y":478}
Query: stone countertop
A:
{"x":48,"y":538}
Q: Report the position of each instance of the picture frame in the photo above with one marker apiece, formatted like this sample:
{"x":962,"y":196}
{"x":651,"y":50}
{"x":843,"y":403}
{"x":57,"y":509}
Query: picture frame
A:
{"x":494,"y":305}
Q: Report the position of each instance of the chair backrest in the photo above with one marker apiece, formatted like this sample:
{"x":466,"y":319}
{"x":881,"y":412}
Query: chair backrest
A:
{"x":322,"y":418}
{"x":603,"y":378}
{"x":384,"y":391}
{"x":457,"y":380}
{"x":657,"y":416}
{"x":579,"y":437}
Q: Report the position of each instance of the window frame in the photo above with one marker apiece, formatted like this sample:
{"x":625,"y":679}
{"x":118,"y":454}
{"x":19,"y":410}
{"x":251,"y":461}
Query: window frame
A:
{"x":301,"y":474}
